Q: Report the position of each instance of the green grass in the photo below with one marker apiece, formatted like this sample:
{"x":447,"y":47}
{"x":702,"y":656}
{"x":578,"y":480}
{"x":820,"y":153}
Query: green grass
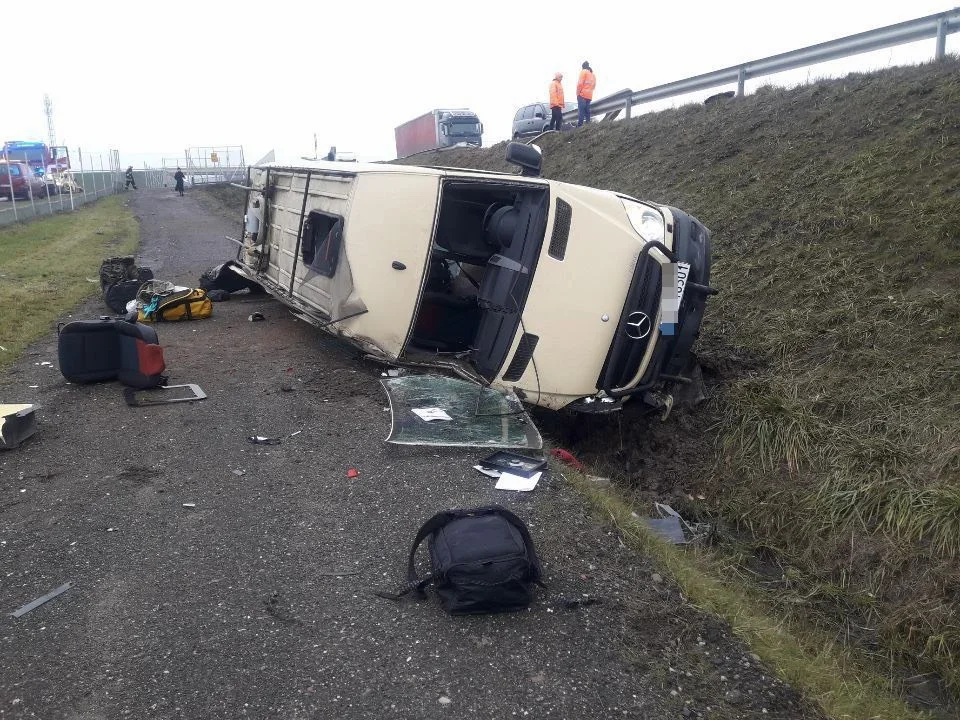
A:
{"x":843,"y":685}
{"x":49,"y":266}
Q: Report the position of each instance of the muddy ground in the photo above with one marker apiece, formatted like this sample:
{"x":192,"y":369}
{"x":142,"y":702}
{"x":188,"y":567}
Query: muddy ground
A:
{"x":258,"y":601}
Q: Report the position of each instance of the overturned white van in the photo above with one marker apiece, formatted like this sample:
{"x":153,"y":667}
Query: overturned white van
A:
{"x":569,"y":296}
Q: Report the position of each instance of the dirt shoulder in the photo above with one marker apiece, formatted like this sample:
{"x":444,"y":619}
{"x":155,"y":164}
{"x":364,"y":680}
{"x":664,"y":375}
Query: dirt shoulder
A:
{"x":234,"y":608}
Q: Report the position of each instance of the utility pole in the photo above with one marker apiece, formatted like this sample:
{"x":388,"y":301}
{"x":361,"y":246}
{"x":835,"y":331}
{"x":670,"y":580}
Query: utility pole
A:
{"x":48,"y":109}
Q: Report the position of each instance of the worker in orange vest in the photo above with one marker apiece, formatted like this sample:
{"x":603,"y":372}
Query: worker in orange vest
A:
{"x":556,"y":102}
{"x":585,"y":86}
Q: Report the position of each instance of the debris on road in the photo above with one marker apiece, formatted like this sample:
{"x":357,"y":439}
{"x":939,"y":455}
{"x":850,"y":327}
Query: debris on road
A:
{"x":17,"y":423}
{"x":218,"y":295}
{"x":479,"y":416}
{"x":672,"y":527}
{"x":189,"y":505}
{"x":42,"y":599}
{"x":506,"y":461}
{"x":520,"y":483}
{"x":487,"y":471}
{"x":256,"y":317}
{"x":566,"y":457}
{"x":574,"y":603}
{"x":225,"y":279}
{"x":161,"y":396}
{"x":353,"y":473}
{"x":261,"y":440}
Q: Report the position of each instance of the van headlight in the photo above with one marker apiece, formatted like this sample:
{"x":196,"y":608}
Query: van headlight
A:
{"x":647,"y":222}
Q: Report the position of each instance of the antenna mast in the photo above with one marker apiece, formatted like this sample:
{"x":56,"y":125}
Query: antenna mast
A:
{"x":48,"y":109}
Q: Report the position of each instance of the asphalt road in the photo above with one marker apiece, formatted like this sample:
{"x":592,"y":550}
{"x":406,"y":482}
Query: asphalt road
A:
{"x":257,"y":601}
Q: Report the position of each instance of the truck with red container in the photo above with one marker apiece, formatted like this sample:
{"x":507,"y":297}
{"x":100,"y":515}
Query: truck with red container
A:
{"x":438,"y":129}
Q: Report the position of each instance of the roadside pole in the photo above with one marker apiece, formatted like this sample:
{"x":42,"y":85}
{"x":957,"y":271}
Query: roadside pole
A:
{"x":101,"y":172}
{"x":13,"y":198}
{"x":33,"y":205}
{"x":80,"y":155}
{"x":70,"y":188}
{"x":46,"y":188}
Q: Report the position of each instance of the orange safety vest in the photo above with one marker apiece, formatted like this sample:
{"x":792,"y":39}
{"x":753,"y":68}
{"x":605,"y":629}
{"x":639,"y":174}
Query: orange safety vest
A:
{"x":556,"y":94}
{"x":586,"y":83}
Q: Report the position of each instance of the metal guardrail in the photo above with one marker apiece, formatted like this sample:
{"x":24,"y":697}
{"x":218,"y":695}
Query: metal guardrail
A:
{"x":932,"y":26}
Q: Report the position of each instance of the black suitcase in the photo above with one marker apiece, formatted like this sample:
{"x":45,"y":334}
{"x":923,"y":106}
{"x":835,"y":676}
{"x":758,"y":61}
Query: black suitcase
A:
{"x":111,"y":349}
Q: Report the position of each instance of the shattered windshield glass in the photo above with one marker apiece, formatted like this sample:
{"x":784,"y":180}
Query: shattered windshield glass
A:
{"x":435,"y":410}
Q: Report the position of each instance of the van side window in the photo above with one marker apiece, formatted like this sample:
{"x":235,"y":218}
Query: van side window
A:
{"x":528,"y":112}
{"x":520,"y":114}
{"x":320,"y":246}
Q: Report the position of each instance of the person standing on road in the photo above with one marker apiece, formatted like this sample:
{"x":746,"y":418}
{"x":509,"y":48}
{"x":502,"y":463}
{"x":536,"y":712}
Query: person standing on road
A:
{"x":585,"y":85}
{"x":130,"y":180}
{"x":179,"y":177}
{"x":556,"y":102}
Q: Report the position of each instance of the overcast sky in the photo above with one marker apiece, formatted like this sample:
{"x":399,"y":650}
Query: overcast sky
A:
{"x":150,"y":79}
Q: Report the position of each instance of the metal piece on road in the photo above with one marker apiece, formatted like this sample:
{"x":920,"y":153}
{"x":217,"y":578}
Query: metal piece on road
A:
{"x":41,"y":600}
{"x":143,"y":398}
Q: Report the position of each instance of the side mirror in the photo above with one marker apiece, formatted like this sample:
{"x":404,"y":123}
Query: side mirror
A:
{"x":539,"y":116}
{"x":527,"y":157}
{"x":443,"y":129}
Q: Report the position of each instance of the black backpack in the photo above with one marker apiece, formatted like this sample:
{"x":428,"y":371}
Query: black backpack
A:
{"x":482,"y":560}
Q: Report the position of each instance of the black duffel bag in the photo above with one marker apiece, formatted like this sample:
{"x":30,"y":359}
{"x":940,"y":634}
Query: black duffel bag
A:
{"x":482,"y":560}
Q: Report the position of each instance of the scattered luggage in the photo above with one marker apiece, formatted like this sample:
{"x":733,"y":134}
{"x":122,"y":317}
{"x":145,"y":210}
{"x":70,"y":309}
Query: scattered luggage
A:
{"x":186,"y":304}
{"x":483,"y":561}
{"x":120,"y":279}
{"x":111,"y":349}
{"x":224,"y":277}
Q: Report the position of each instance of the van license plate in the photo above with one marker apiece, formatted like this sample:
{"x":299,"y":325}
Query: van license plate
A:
{"x":670,"y":307}
{"x":683,"y":272}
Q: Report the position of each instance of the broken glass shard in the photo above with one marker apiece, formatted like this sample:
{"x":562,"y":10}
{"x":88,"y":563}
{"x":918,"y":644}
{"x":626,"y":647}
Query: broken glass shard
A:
{"x":479,"y":416}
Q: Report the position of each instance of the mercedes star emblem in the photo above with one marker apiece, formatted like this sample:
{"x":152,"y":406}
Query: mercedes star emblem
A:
{"x":637,"y":326}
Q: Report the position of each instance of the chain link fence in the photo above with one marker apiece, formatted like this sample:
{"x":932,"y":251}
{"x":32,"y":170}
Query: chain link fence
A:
{"x":26,"y":194}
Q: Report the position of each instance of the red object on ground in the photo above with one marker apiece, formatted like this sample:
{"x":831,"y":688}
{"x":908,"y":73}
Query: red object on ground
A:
{"x":353,"y":473}
{"x":564,"y":456}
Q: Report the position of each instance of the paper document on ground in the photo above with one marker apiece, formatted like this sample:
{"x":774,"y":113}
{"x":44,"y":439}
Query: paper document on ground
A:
{"x":430,"y":414}
{"x":517,"y":482}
